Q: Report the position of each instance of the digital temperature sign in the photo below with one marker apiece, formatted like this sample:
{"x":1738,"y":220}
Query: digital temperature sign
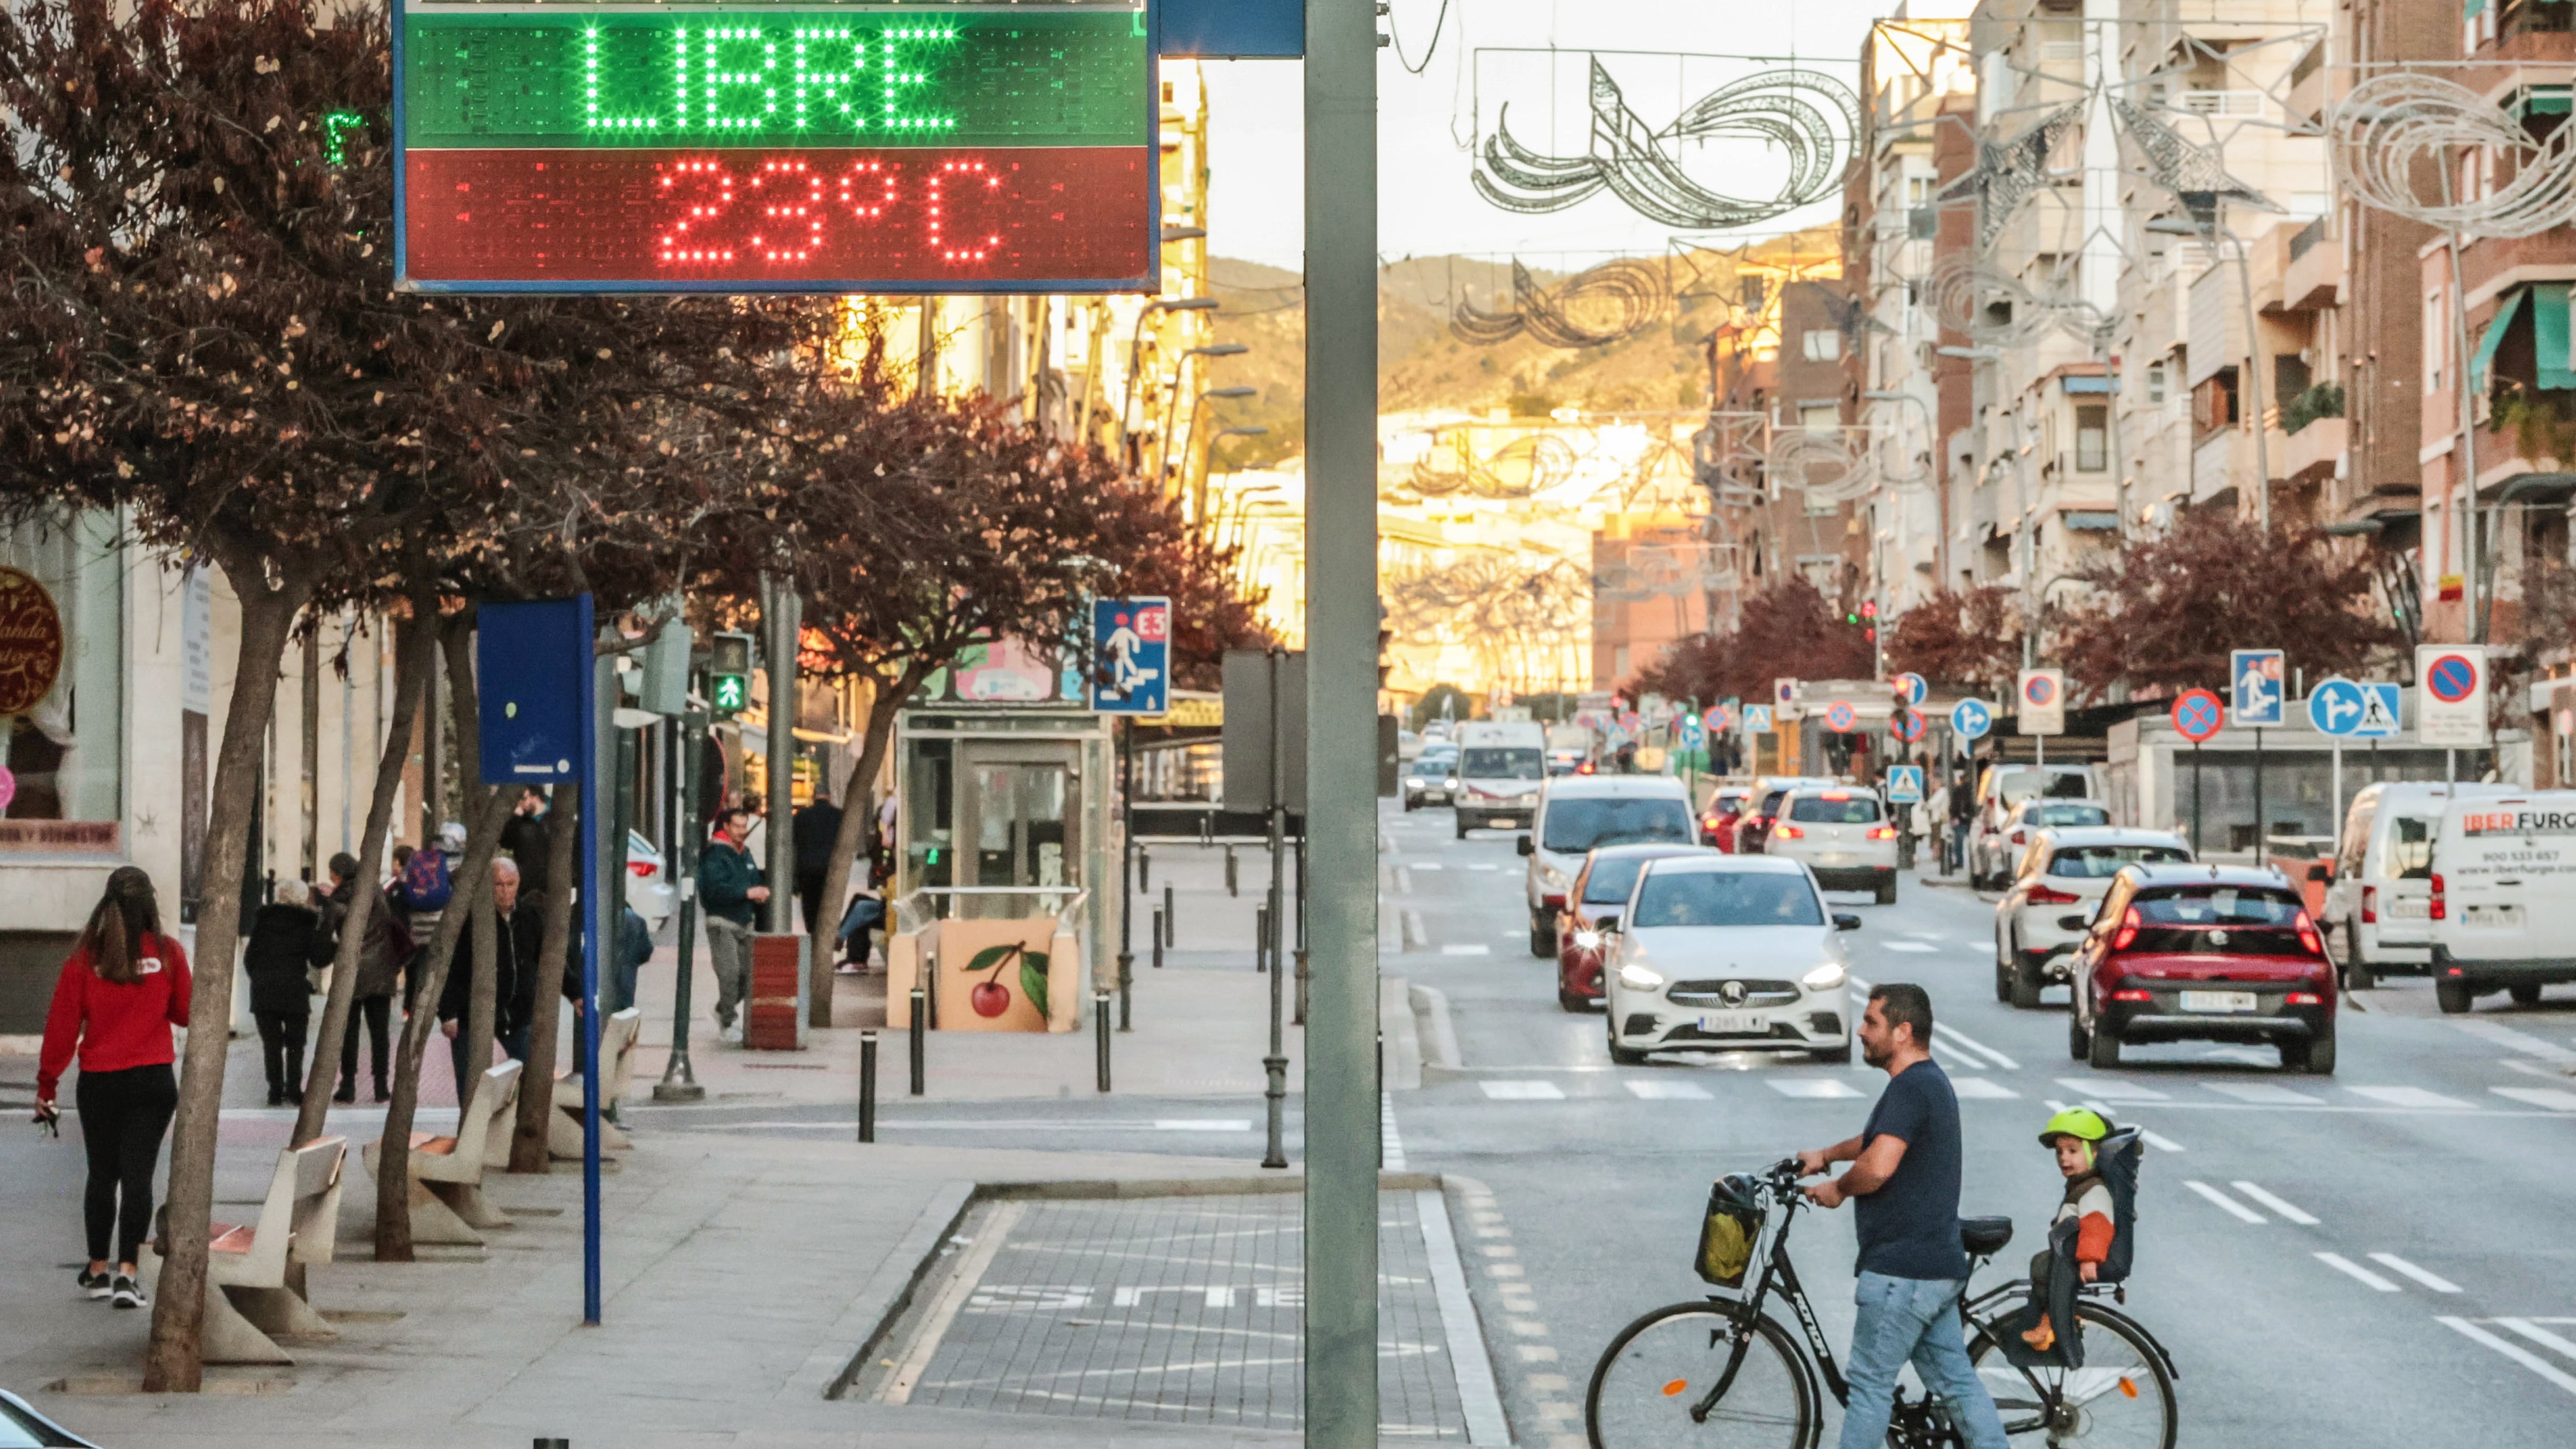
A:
{"x":794,"y":147}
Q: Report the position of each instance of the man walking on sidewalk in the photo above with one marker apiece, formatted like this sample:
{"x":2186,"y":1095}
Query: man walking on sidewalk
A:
{"x":731,"y":893}
{"x":818,"y":829}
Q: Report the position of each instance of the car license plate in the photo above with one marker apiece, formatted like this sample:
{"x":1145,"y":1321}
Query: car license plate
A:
{"x":1835,"y":857}
{"x":2218,"y":1001}
{"x":1733,"y":1022}
{"x":2494,"y":915}
{"x":2404,"y":909}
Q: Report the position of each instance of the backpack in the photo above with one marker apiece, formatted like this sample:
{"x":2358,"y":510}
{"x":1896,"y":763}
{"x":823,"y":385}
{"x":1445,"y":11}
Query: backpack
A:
{"x":425,"y":885}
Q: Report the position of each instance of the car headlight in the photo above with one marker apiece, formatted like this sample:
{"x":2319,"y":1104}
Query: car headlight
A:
{"x":1588,"y":940}
{"x":1528,"y":799}
{"x":1825,"y":977}
{"x":1549,"y":875}
{"x":1413,"y":782}
{"x":1638,"y":978}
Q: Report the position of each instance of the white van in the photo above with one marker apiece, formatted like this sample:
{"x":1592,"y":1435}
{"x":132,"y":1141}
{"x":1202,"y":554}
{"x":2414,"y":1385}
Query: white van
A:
{"x":2377,"y":895}
{"x":1990,"y":858}
{"x":1500,"y":767}
{"x":2503,"y":896}
{"x":1579,"y":813}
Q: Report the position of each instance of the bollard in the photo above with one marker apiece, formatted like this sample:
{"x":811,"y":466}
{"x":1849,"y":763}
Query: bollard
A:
{"x":1144,"y":869}
{"x":1275,"y":1103}
{"x":1171,"y":921}
{"x":867,"y":1086}
{"x":1230,"y":877}
{"x":554,"y":1444}
{"x":1260,"y":938}
{"x":1126,"y":990}
{"x":920,"y":1035}
{"x":1301,"y":986}
{"x":1100,"y":1015}
{"x":1158,"y":940}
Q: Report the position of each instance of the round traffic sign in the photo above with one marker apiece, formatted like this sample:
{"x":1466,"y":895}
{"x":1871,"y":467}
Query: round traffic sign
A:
{"x":2197,"y":715}
{"x":1907,"y":726}
{"x":1839,"y":717}
{"x":1970,"y":719}
{"x":1912,"y":686}
{"x":2453,"y":678}
{"x":2039,"y":690}
{"x":1719,"y":719}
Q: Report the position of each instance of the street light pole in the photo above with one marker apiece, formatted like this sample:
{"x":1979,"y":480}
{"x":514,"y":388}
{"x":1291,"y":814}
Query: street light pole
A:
{"x":1198,"y":505}
{"x":1136,"y":347}
{"x":1172,"y":401}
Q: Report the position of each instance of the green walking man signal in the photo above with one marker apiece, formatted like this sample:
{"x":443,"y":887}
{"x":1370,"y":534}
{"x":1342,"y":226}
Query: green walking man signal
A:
{"x":729,"y":672}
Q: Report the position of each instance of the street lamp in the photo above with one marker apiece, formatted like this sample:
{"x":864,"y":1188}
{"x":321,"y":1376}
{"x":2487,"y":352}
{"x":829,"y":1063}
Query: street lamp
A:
{"x":1237,"y":506}
{"x":1136,"y":344}
{"x":1198,"y":494}
{"x":1173,"y":234}
{"x":1181,"y":370}
{"x":2210,"y":230}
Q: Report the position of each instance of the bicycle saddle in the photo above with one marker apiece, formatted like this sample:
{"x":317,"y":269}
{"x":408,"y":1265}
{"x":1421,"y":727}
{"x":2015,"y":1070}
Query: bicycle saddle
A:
{"x":1984,"y":1237}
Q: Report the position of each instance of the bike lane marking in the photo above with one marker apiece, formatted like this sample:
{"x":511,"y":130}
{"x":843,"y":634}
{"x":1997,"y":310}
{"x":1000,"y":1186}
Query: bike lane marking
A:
{"x":2357,"y":1273}
{"x":2511,"y":1350}
{"x":2428,"y":1278}
{"x":2240,"y":1211}
{"x":2270,"y":1200}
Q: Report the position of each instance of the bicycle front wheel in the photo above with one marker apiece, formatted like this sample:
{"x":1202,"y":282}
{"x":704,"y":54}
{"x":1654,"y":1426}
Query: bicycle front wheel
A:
{"x":1662,"y":1383}
{"x":2121,"y":1399}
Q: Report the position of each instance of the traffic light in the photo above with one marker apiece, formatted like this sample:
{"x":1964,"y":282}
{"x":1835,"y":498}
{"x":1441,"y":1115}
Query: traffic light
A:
{"x":1869,"y":608}
{"x":729,"y":672}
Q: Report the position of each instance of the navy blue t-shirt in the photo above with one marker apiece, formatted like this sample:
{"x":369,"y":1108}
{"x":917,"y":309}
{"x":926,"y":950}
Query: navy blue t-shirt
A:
{"x":1909,"y":1228}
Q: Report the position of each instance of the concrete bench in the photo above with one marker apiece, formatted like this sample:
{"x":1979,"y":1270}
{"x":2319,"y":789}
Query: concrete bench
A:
{"x":618,"y":1036}
{"x":255,"y":1272}
{"x":447,"y":1202}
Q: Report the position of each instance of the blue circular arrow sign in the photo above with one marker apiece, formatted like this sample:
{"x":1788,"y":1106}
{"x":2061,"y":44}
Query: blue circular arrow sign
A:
{"x":1971,"y":719}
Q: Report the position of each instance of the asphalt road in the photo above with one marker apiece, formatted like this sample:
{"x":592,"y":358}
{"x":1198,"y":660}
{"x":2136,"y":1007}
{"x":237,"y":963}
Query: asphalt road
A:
{"x":2380,"y":1257}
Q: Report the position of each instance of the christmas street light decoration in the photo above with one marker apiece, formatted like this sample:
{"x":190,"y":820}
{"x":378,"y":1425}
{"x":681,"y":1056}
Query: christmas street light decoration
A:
{"x":1604,"y":304}
{"x":2400,"y":134}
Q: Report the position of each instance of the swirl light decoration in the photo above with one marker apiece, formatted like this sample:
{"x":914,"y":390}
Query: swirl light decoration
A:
{"x":1527,"y":465}
{"x":1965,"y":291}
{"x":2399,"y":132}
{"x":1808,"y":116}
{"x":1625,"y":297}
{"x":1822,"y":465}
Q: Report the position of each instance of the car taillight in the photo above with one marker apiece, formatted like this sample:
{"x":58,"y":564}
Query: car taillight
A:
{"x":1882,"y":832}
{"x":2438,"y":911}
{"x":2308,"y":935}
{"x":2305,"y":998}
{"x":1788,"y":832}
{"x":2131,"y":996}
{"x":642,"y":868}
{"x":2042,"y":895}
{"x":2018,"y":837}
{"x":2370,"y":905}
{"x":2128,"y":930}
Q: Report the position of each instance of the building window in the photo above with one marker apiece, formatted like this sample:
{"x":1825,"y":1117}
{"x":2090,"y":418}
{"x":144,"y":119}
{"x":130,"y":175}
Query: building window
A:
{"x":1820,"y":417}
{"x":2092,"y":437}
{"x":2155,"y":382}
{"x":1823,"y":344}
{"x":62,"y":671}
{"x":2437,"y":340}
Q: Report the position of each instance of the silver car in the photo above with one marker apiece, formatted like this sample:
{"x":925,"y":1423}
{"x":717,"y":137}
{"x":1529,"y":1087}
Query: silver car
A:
{"x":1432,"y":776}
{"x":2064,"y":873}
{"x":1726,"y":953}
{"x":1843,"y":834}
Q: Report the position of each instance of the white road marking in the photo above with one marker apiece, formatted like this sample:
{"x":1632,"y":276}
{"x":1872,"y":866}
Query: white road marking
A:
{"x":2514,"y":1351}
{"x":2358,"y":1273}
{"x":1428,"y":865}
{"x":2264,"y":1092}
{"x":1404,"y":880}
{"x":2240,"y":1211}
{"x":1967,"y":1043}
{"x":2529,"y":1069}
{"x":1666,"y":1091}
{"x":2112,"y":1089}
{"x":2159,"y":1141}
{"x":1909,"y":946}
{"x":1976,"y":1089}
{"x":1480,"y":1400}
{"x":1471,"y":948}
{"x":952,"y":1296}
{"x":2429,"y":1279}
{"x":2521,"y":1041}
{"x":1523,"y":1091}
{"x":2273,"y":1201}
{"x":1414,"y":934}
{"x":1202,"y":1124}
{"x":1484,"y":867}
{"x":1812,"y":1087}
{"x":2532,"y":1330}
{"x":2411,"y":1097}
{"x":1927,"y":935}
{"x":2549,"y":1097}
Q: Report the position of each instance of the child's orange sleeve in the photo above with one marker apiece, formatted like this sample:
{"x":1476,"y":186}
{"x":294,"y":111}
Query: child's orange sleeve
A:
{"x":2093,"y":1238}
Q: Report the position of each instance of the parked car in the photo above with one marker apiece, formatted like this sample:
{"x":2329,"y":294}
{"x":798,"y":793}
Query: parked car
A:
{"x":1432,"y":776}
{"x":2379,"y":896}
{"x":648,"y":881}
{"x":21,"y":1424}
{"x":1592,"y":906}
{"x":1728,"y":953}
{"x":1843,"y":834}
{"x":1999,"y":789}
{"x":1500,"y":768}
{"x":2002,"y":848}
{"x":2063,"y":874}
{"x":2503,"y":898}
{"x":2202,"y":953}
{"x":1581,"y":813}
{"x":1718,"y":819}
{"x":1754,"y":827}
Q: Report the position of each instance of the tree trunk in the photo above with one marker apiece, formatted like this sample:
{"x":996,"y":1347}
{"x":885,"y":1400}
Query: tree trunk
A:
{"x":528,"y":1145}
{"x":858,"y":807}
{"x":481,"y":1026}
{"x":413,"y":643}
{"x":393,"y":1176}
{"x":173,"y":1363}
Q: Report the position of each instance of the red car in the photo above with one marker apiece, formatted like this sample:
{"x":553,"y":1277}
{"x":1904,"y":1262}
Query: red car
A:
{"x":2203,"y":953}
{"x":1717,"y":822}
{"x":1598,"y":895}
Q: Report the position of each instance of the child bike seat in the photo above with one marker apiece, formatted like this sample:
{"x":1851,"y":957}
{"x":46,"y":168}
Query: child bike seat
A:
{"x":1984,"y":1237}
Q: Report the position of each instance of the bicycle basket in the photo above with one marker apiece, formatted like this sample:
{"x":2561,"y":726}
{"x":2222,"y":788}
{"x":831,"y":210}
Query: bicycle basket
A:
{"x":1728,"y":1234}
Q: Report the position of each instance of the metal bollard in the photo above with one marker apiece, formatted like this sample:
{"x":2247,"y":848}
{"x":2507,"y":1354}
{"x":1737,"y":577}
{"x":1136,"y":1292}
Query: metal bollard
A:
{"x":867,"y":1086}
{"x":1158,"y":940}
{"x":1171,"y":921}
{"x":1261,"y":938}
{"x":1144,"y":869}
{"x":1275,"y":1103}
{"x":554,"y":1444}
{"x":920,"y":1036}
{"x":1301,"y":986}
{"x":1126,"y":990}
{"x":1100,"y":1016}
{"x":1231,"y":888}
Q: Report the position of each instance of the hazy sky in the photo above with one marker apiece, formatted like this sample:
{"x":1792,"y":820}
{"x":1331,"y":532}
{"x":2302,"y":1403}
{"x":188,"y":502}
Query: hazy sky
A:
{"x":1426,"y":205}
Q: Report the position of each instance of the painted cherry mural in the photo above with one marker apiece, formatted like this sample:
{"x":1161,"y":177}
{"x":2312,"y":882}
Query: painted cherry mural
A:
{"x":991,"y":998}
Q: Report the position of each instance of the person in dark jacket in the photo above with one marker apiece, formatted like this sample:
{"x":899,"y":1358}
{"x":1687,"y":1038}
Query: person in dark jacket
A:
{"x":524,"y":837}
{"x":731,"y":893}
{"x":518,"y":944}
{"x":286,"y":942}
{"x":384,"y":960}
{"x":818,"y":829}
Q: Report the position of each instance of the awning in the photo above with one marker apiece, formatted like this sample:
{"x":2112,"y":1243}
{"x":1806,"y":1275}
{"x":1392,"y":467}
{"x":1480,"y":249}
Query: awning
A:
{"x":2549,"y":334}
{"x":2474,"y":8}
{"x":2087,"y":382}
{"x":2548,"y":100}
{"x":2494,"y":339}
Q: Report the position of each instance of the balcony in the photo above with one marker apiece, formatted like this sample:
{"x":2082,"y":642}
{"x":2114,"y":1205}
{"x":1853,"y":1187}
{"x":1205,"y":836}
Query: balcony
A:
{"x":2218,"y":103}
{"x":2490,"y":263}
{"x":2310,"y":454}
{"x":2314,"y":277}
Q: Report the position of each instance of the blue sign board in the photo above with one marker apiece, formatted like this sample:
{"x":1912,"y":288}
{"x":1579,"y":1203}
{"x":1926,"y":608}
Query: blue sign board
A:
{"x":1694,"y":734}
{"x":1905,"y":785}
{"x":2256,"y":695}
{"x":1971,"y":719}
{"x":1131,"y":643}
{"x":2347,"y":709}
{"x":1233,"y":29}
{"x":532,"y":669}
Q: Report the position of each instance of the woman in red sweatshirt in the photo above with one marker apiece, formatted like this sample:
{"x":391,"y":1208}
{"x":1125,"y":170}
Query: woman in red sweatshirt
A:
{"x":124,"y":987}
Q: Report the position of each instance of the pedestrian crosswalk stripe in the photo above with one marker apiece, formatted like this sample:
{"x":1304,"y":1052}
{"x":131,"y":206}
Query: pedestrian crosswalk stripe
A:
{"x":1471,"y":948}
{"x":2411,"y":1097}
{"x":2231,"y":1206}
{"x":2531,"y":1329}
{"x":1813,"y":1087}
{"x":1909,"y":945}
{"x":2289,"y":1211}
{"x":2358,"y":1273}
{"x":1523,"y":1091}
{"x":2432,"y":1280}
{"x":2514,"y":1351}
{"x":1980,"y":1088}
{"x":2264,"y":1092}
{"x":1667,"y":1091}
{"x":2548,"y":1097}
{"x":2112,"y":1089}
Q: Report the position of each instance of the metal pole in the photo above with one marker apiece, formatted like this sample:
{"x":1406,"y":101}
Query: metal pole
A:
{"x":2253,"y":396}
{"x":2335,"y":820}
{"x":2258,"y":797}
{"x":778,"y":611}
{"x":919,"y":1031}
{"x":1158,"y":940}
{"x":1171,"y":922}
{"x":596,"y":723}
{"x":2195,"y":797}
{"x":1275,"y":1065}
{"x":679,"y":1079}
{"x":1100,"y":1030}
{"x":1341,"y":1098}
{"x":867,"y":1086}
{"x":1126,"y":872}
{"x":1302,"y":954}
{"x":1261,"y":939}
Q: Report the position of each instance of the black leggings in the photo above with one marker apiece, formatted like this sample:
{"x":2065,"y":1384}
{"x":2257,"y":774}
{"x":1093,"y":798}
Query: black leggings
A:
{"x":281,"y":1044}
{"x":377,"y":1013}
{"x":122,"y":1117}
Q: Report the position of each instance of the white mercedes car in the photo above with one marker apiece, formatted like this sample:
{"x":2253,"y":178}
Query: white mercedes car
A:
{"x":1727,"y":953}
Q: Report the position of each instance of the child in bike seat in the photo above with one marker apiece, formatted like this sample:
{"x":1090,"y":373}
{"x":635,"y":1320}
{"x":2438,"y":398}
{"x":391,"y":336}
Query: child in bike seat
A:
{"x":2079,"y":1236}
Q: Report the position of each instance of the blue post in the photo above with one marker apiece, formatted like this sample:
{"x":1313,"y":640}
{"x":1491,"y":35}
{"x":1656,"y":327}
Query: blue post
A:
{"x":594,"y":904}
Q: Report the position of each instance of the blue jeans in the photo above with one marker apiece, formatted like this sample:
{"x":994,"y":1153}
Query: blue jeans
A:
{"x":1915,"y":1319}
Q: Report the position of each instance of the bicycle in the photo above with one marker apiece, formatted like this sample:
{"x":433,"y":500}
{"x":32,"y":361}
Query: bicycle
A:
{"x":1721,"y":1371}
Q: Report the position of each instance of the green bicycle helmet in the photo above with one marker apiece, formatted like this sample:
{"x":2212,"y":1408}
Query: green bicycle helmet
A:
{"x":2082,"y":1123}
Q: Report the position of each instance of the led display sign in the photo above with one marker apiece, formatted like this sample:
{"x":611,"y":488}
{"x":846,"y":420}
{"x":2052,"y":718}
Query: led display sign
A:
{"x":787,"y":147}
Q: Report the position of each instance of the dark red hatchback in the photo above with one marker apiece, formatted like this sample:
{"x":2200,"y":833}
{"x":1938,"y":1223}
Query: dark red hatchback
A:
{"x":2203,"y":953}
{"x":1594,"y":902}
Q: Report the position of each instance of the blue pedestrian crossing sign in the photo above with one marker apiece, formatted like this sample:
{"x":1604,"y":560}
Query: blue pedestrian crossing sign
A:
{"x":1757,"y":719}
{"x":1905,"y":785}
{"x":1971,"y":719}
{"x":2255,"y":693}
{"x":1131,"y":642}
{"x":2346,"y":709}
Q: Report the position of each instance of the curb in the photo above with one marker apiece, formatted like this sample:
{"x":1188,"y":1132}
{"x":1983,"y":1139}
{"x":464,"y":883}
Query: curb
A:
{"x":1439,"y":1035}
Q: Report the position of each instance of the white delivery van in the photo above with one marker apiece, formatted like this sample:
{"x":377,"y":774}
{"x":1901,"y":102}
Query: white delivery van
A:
{"x":2001,"y":787}
{"x":2502,"y":897}
{"x":1500,"y":767}
{"x":2379,"y":892}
